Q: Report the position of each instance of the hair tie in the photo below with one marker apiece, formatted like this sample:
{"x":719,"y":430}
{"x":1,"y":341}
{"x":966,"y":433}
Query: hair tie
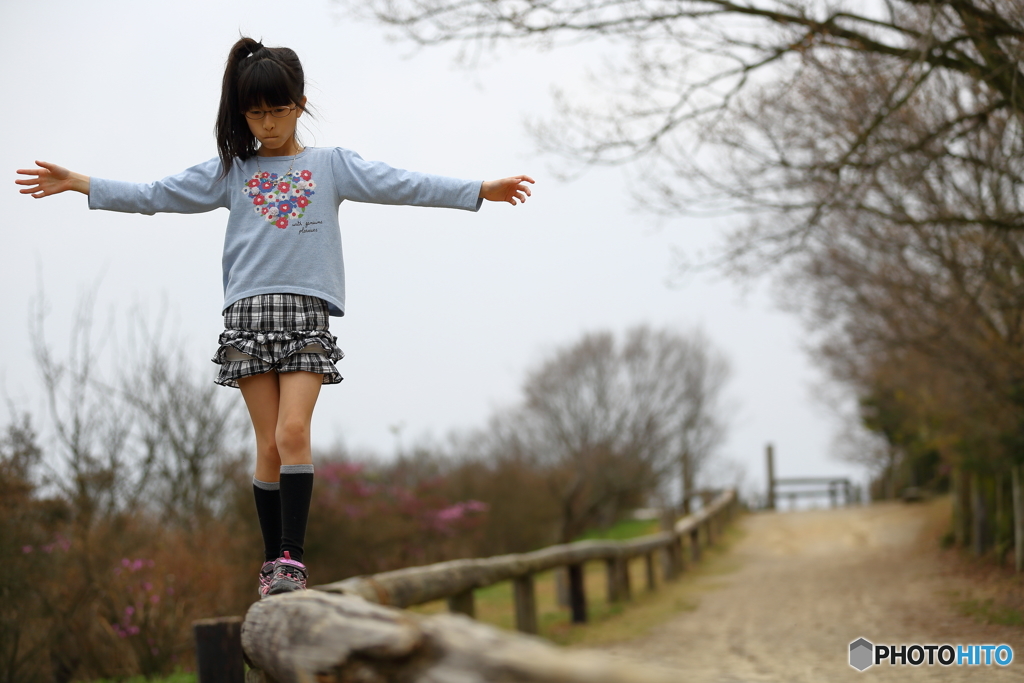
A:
{"x":259,"y":46}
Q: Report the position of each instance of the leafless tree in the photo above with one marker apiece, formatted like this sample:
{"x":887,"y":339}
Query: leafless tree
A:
{"x":91,"y":466}
{"x":609,"y":420}
{"x":189,"y":432}
{"x":160,"y":436}
{"x":697,"y":73}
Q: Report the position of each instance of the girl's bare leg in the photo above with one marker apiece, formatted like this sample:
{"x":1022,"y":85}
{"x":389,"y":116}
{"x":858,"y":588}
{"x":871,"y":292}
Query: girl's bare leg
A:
{"x":281,"y":408}
{"x":262,"y":397}
{"x":298,"y":392}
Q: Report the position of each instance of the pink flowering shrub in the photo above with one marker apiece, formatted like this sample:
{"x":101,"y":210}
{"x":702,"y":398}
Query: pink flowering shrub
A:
{"x":364,"y":521}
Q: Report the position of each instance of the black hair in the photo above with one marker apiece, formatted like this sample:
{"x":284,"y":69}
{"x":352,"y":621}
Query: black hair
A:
{"x":254,"y":76}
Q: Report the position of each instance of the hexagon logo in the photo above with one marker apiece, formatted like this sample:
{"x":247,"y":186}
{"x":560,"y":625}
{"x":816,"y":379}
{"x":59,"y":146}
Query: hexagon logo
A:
{"x":861,"y":654}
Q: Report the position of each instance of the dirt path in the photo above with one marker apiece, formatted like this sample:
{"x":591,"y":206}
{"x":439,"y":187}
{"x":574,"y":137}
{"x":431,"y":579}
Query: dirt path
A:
{"x":811,"y":582}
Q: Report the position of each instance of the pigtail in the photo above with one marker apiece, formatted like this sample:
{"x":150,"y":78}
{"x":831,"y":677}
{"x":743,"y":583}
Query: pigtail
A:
{"x":254,"y":74}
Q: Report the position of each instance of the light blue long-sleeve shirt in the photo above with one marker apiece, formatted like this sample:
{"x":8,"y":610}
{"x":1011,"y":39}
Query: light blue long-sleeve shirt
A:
{"x":283,"y":234}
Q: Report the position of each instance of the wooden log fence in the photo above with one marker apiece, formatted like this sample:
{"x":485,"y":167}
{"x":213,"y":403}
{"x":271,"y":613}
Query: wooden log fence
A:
{"x":455,"y":580}
{"x":336,"y":627}
{"x":316,"y":636}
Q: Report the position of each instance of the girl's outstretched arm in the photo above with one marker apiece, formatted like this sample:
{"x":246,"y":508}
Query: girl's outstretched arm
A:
{"x":51,"y":179}
{"x":506,"y":189}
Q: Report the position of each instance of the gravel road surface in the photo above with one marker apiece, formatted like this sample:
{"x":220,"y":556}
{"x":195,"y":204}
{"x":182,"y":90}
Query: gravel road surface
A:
{"x":809,"y":584}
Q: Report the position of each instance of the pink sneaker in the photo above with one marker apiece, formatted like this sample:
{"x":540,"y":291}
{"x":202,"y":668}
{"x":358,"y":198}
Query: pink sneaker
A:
{"x":289,"y":575}
{"x":266,"y":575}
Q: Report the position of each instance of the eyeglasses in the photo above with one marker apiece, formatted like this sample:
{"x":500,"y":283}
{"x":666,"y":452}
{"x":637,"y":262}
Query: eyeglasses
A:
{"x":276,"y":112}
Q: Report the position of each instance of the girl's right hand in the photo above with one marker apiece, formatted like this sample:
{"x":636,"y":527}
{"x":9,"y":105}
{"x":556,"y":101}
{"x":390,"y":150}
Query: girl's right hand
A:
{"x":51,"y":179}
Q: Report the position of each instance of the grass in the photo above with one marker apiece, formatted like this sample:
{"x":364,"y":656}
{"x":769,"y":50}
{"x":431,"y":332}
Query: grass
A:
{"x":626,"y":529}
{"x":608,"y":622}
{"x":986,"y":611}
{"x":173,"y":678}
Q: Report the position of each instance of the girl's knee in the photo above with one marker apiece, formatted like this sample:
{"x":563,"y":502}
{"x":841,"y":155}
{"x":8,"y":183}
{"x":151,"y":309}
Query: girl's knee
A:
{"x":292,"y":436}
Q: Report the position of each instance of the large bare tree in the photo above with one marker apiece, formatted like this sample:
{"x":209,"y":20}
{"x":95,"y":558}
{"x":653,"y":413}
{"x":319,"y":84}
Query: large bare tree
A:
{"x":610,"y":420}
{"x":694,"y":75}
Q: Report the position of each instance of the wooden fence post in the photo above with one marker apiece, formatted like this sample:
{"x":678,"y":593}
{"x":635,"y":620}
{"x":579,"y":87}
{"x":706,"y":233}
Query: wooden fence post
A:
{"x":668,"y":562}
{"x":649,"y":566}
{"x":577,"y":594}
{"x":612,"y":569}
{"x":695,"y":544}
{"x":622,"y":569}
{"x":526,"y":603}
{"x":219,"y":650}
{"x":463,"y":603}
{"x":770,"y":456}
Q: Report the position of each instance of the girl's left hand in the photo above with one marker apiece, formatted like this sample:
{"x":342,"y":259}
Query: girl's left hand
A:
{"x":507,"y":189}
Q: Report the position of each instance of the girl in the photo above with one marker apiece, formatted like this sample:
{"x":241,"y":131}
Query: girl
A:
{"x":283,"y":270}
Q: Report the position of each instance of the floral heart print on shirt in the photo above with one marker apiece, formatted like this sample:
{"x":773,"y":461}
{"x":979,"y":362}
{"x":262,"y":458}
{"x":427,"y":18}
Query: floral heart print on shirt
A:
{"x":280,"y":199}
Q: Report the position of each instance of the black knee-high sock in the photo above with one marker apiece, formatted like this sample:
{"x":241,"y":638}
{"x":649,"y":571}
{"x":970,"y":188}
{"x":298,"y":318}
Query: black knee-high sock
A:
{"x":268,"y":509}
{"x":296,"y":492}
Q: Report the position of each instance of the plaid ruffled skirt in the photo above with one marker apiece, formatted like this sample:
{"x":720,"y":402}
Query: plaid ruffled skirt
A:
{"x":282,"y":332}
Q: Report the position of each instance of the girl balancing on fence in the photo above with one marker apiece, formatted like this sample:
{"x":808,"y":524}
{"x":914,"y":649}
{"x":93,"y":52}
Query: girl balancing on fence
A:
{"x":283,"y":270}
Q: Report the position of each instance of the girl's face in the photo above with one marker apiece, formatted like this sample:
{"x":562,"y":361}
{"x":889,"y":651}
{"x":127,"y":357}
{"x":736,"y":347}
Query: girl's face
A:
{"x":276,"y":134}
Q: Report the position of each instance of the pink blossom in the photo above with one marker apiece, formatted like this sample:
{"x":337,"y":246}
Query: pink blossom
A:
{"x":129,"y":610}
{"x":154,"y":598}
{"x":26,"y":549}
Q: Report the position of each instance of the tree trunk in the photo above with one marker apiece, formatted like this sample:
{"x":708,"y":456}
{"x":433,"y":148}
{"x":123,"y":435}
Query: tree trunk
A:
{"x":959,"y":509}
{"x":979,"y":518}
{"x":1018,"y":518}
{"x":999,"y":534}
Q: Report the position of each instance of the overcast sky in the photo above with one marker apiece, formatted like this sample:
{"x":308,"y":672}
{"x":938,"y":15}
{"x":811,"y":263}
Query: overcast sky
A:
{"x":446,"y":310}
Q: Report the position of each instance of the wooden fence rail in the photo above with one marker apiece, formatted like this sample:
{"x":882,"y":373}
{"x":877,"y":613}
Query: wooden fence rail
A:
{"x":457,"y":579}
{"x":334,"y":628}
